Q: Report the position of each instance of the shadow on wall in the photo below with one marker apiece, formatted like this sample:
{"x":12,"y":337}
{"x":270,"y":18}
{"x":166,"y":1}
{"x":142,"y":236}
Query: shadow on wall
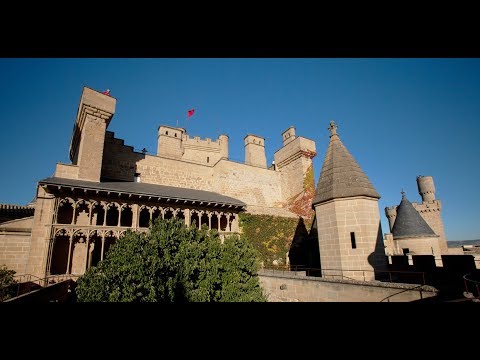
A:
{"x":304,"y":252}
{"x":377,"y":258}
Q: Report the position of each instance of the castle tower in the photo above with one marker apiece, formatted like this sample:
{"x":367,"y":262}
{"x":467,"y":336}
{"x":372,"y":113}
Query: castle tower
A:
{"x":347,"y":215}
{"x":223,"y":146}
{"x":430,"y":209}
{"x":411,"y":233}
{"x":255,"y":151}
{"x":86,"y":147}
{"x":294,"y":162}
{"x":170,"y":141}
{"x":391,"y":213}
{"x":288,"y":135}
{"x":426,"y":188}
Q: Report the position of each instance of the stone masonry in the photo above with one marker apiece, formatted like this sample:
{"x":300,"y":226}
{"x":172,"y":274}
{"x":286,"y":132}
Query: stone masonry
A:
{"x":15,"y":243}
{"x":65,"y":243}
{"x":347,"y":215}
{"x":430,"y":210}
{"x":287,"y":286}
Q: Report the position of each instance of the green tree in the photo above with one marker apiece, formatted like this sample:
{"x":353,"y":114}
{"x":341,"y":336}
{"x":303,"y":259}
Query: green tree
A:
{"x":239,"y":264}
{"x":7,"y":282}
{"x":173,"y":263}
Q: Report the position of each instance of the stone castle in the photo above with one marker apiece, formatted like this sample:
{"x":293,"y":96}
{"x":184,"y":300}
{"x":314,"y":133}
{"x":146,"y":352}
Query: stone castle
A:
{"x":108,"y":188}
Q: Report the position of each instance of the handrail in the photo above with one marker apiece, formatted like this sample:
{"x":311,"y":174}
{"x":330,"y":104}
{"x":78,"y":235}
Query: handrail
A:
{"x":466,"y":281}
{"x":420,"y":275}
{"x":400,"y":292}
{"x":42,"y":282}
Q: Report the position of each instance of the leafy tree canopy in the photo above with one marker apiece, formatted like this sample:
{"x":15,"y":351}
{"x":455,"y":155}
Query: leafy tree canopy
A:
{"x":7,"y":290}
{"x":173,"y":263}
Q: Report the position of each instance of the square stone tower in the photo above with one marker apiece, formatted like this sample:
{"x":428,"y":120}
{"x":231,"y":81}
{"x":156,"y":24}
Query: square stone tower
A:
{"x":294,"y":162}
{"x":255,"y":151}
{"x":86,"y":147}
{"x":170,"y":141}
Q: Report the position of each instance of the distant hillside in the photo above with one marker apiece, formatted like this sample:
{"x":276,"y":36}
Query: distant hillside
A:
{"x":459,"y":243}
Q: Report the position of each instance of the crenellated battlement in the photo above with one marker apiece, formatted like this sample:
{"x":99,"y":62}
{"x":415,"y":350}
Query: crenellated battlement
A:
{"x":207,"y":142}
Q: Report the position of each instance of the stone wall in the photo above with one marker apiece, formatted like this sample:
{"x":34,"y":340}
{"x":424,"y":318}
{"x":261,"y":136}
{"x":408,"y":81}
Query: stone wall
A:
{"x":419,"y":246}
{"x":253,"y":185}
{"x":40,"y":240}
{"x":255,"y":151}
{"x":205,"y":151}
{"x":336,"y":220}
{"x":260,"y":188}
{"x":15,"y":243}
{"x":288,"y":287}
{"x":66,"y":171}
{"x":431,"y":213}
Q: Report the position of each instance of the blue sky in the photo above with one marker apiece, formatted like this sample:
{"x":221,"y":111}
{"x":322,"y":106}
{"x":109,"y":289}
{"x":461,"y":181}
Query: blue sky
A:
{"x":398,"y":117}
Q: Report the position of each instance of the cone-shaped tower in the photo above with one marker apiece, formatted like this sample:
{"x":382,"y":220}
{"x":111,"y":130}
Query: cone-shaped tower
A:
{"x":409,"y":223}
{"x":348,"y":218}
{"x":412,"y":234}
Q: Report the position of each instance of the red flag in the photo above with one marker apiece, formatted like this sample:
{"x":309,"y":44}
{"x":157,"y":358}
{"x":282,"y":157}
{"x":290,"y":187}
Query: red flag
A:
{"x":106,"y":92}
{"x":190,"y":112}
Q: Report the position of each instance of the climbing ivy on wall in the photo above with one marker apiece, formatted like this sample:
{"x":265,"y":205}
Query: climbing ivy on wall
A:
{"x":271,"y":235}
{"x":301,"y":203}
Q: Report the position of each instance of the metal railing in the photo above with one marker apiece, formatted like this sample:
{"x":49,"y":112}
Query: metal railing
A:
{"x":401,"y":292}
{"x":472,"y":287}
{"x":27,"y":283}
{"x":418,"y":277}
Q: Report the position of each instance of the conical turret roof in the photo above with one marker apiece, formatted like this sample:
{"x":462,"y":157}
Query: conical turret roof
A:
{"x":409,"y":223}
{"x":341,"y":175}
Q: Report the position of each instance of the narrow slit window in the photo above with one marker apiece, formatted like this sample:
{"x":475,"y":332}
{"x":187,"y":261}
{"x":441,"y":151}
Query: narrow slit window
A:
{"x":208,"y":159}
{"x":352,"y":239}
{"x":137,"y":177}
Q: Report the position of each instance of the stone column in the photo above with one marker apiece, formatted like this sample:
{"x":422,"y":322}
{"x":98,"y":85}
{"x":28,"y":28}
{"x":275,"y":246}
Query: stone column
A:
{"x":235,"y":225}
{"x":228,"y":222}
{"x":69,"y":254}
{"x":90,"y":254}
{"x":74,"y":212}
{"x":51,"y":244}
{"x":105,"y":214}
{"x":87,"y":243}
{"x":209,"y":214}
{"x":120,"y":209}
{"x":135,"y":216}
{"x":186,"y":212}
{"x":200,"y":215}
{"x":103,"y":246}
{"x":90,"y":208}
{"x":219,"y":217}
{"x":55,"y":213}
